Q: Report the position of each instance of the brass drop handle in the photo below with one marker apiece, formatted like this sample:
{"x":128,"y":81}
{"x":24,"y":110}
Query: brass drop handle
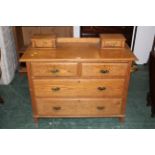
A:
{"x":56,"y":89}
{"x":100,"y":107}
{"x":104,"y":71}
{"x":101,"y":88}
{"x":56,"y":108}
{"x":55,"y":70}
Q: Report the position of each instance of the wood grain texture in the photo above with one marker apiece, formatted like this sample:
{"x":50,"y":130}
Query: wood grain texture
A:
{"x":54,"y":69}
{"x":43,"y":41}
{"x":126,"y":86}
{"x":78,"y":88}
{"x":31,"y":87}
{"x":59,"y":31}
{"x":112,"y":41}
{"x":78,"y":107}
{"x":80,"y":52}
{"x":104,"y":69}
{"x":78,"y":79}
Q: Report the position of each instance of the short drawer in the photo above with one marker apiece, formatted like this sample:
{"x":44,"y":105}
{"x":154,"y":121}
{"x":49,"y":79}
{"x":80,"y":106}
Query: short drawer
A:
{"x":78,"y":88}
{"x":78,"y":107}
{"x":54,"y":69}
{"x":104,"y":69}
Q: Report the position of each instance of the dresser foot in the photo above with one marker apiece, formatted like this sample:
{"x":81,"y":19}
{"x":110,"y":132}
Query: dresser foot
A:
{"x":121,"y":119}
{"x":148,"y":98}
{"x":36,"y":122}
{"x":1,"y":100}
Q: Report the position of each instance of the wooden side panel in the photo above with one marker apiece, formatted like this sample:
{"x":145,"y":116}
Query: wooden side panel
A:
{"x":31,"y":89}
{"x":78,"y":107}
{"x":125,"y":88}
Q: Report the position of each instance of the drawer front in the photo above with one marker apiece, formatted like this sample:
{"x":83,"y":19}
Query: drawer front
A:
{"x":54,"y":69}
{"x":104,"y":69}
{"x":112,"y":44}
{"x":44,"y":43}
{"x":81,"y":107}
{"x":78,"y":88}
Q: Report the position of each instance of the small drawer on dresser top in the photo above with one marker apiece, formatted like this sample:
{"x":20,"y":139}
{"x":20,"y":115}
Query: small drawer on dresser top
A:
{"x":104,"y":69}
{"x":54,"y":69}
{"x":78,"y":88}
{"x":43,"y":41}
{"x":112,"y":41}
{"x":112,"y":44}
{"x":78,"y":107}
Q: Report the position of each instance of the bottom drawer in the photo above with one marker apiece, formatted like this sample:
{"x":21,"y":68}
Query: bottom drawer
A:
{"x":78,"y":107}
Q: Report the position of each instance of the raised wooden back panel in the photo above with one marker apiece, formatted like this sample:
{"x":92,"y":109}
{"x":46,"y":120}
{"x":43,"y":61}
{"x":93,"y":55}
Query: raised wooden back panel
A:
{"x":59,"y":31}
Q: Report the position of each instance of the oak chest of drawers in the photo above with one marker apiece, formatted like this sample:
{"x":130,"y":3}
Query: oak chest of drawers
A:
{"x":78,"y":79}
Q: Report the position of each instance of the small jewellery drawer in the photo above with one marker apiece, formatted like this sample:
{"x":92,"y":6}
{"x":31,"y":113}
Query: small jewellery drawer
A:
{"x":104,"y":69}
{"x":43,"y":41}
{"x":78,"y":88}
{"x":112,"y":41}
{"x":112,"y":44}
{"x":54,"y":69}
{"x":78,"y":107}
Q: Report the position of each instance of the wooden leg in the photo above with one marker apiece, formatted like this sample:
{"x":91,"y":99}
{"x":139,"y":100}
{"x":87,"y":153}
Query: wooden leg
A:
{"x":21,"y":74}
{"x":148,"y":98}
{"x":1,"y":100}
{"x":152,"y":115}
{"x":122,"y":119}
{"x":153,"y":111}
{"x":36,"y":121}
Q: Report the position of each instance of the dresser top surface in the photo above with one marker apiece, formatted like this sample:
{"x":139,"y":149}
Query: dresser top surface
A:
{"x":77,"y":52}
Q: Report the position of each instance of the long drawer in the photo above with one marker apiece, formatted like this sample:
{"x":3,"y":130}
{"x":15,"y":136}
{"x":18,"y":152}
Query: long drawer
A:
{"x":104,"y":69}
{"x":78,"y":107}
{"x":78,"y":88}
{"x":54,"y":69}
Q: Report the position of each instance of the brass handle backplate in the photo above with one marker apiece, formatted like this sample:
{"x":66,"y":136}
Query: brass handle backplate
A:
{"x":54,"y":70}
{"x":101,"y":88}
{"x":104,"y":71}
{"x":56,"y":108}
{"x":56,"y":89}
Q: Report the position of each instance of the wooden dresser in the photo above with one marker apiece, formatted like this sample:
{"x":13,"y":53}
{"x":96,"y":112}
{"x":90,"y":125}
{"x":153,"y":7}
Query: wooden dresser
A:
{"x":78,"y":79}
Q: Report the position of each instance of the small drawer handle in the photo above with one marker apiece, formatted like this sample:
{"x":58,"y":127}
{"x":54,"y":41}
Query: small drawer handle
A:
{"x":101,"y":88}
{"x":104,"y":71}
{"x":100,"y":107}
{"x":56,"y":89}
{"x":56,"y":108}
{"x":55,"y":70}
